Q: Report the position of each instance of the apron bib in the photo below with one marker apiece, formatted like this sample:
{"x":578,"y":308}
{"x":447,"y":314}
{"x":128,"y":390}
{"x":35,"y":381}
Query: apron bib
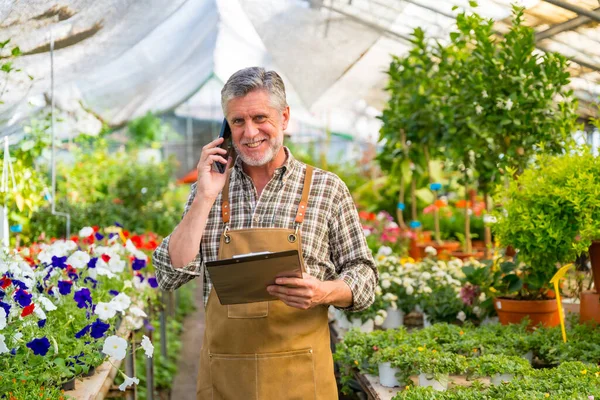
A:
{"x":265,"y":350}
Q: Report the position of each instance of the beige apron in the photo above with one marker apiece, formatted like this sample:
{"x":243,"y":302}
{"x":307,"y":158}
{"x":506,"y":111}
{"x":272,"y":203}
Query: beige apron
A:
{"x":266,"y":350}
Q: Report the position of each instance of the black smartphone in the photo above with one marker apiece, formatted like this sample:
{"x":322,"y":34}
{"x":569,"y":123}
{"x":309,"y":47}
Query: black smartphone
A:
{"x":227,"y":145}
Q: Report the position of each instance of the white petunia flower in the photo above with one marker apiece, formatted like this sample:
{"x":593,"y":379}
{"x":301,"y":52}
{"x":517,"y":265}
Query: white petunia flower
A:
{"x":482,"y":297}
{"x":500,"y":104}
{"x":134,"y":323}
{"x":86,"y":232}
{"x":384,"y":251}
{"x":137,"y":312}
{"x":130,"y":246}
{"x":17,"y":336}
{"x":105,"y":311}
{"x":427,"y":290}
{"x":79,"y":259}
{"x":116,"y":265}
{"x":39,"y":312}
{"x":3,"y":348}
{"x":115,"y":347}
{"x":394,"y":305}
{"x":366,"y":232}
{"x":426,"y":276}
{"x":461,"y":316}
{"x":390,"y":297}
{"x":478,"y":109}
{"x":385,"y":284}
{"x":378,"y":290}
{"x":484,"y":94}
{"x":489,"y":219}
{"x":430,"y":251}
{"x":121,"y":302}
{"x":508,"y":104}
{"x":410,"y":290}
{"x":128,"y":382}
{"x":147,"y":346}
{"x":379,"y":320}
{"x":2,"y":318}
{"x":477,"y":311}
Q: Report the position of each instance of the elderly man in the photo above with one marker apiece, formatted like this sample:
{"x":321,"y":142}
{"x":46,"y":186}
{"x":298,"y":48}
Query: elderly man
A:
{"x":268,"y":200}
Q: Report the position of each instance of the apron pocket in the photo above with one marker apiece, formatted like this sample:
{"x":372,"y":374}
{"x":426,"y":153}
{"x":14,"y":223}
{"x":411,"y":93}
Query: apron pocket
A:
{"x":250,"y":310}
{"x":288,"y":375}
{"x":233,"y":376}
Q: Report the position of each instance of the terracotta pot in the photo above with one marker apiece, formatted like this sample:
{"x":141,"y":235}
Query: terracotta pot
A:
{"x":595,"y":261}
{"x":590,"y":307}
{"x":465,"y":256}
{"x":539,"y":311}
{"x":478,"y":244}
{"x":420,"y":237}
{"x":444,"y":249}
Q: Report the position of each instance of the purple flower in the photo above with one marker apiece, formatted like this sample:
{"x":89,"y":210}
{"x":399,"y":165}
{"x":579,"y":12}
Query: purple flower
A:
{"x":89,"y":279}
{"x":118,"y":224}
{"x":23,"y":298}
{"x":84,"y":331}
{"x":92,"y":262}
{"x":99,"y":328}
{"x":41,"y":323}
{"x":39,"y":287}
{"x":19,"y":284}
{"x":39,"y":346}
{"x":113,"y":292}
{"x":112,"y":235}
{"x":73,"y":275}
{"x":64,"y":287}
{"x":83,"y":297}
{"x":2,"y":294}
{"x":99,"y":236}
{"x":138,"y":264}
{"x":152,"y":282}
{"x":5,"y":306}
{"x":59,"y":262}
{"x":148,"y":325}
{"x":468,"y":293}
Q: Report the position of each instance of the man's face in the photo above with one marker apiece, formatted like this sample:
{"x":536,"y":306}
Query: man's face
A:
{"x":256,"y":127}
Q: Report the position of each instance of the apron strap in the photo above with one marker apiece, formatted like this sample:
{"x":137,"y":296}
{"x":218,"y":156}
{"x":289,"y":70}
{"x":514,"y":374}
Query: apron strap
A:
{"x":225,"y":208}
{"x":305,"y":191}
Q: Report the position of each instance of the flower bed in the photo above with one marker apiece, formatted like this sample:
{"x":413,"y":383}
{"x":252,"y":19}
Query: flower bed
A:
{"x":61,"y":304}
{"x":476,"y":352}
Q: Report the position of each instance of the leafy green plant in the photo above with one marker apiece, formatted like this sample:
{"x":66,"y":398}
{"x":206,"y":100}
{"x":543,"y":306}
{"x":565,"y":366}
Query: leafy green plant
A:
{"x":492,"y":364}
{"x":552,"y":216}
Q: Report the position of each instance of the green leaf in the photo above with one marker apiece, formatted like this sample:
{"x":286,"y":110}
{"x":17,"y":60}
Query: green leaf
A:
{"x":505,"y":121}
{"x":16,"y":52}
{"x":2,"y":44}
{"x":454,"y":8}
{"x":6,"y":67}
{"x":472,"y":3}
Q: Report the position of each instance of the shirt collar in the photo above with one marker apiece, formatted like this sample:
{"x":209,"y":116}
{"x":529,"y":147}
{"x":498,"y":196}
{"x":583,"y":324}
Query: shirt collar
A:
{"x":286,"y":169}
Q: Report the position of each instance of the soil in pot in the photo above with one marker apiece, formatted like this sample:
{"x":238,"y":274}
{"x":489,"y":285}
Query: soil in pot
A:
{"x":539,"y":311}
{"x":444,"y":249}
{"x":589,"y":309}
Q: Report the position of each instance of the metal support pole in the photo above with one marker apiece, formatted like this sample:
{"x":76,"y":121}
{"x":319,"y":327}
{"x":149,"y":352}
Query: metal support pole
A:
{"x":149,"y":366}
{"x":163,"y":333}
{"x":130,"y":369}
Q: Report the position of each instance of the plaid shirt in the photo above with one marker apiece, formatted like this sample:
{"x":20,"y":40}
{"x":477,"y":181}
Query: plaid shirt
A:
{"x":333,"y":242}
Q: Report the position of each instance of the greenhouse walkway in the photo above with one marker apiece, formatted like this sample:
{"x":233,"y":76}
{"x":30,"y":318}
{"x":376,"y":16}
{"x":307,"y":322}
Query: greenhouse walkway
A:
{"x":184,"y":386}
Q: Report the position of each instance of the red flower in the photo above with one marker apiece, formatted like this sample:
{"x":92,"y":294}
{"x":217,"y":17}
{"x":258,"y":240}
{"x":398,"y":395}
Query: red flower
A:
{"x":27,"y":310}
{"x":126,"y":233}
{"x":96,"y":228}
{"x":105,"y":258}
{"x":5,"y":282}
{"x":75,"y":238}
{"x":137,"y":241}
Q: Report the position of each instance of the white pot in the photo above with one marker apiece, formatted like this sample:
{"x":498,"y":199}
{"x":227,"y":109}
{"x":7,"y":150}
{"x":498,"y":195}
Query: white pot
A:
{"x":426,"y":323}
{"x":528,"y":356}
{"x":497,"y":379}
{"x":342,"y":321}
{"x":490,"y":321}
{"x":366,"y":327}
{"x":387,"y":375}
{"x":394,"y":319}
{"x":440,"y":385}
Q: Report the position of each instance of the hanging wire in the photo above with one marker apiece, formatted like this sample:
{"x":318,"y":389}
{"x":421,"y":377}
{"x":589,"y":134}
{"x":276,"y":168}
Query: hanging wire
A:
{"x":53,"y":198}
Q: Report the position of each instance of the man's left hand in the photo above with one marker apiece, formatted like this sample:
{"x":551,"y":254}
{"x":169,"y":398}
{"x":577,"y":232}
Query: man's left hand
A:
{"x":304,"y":293}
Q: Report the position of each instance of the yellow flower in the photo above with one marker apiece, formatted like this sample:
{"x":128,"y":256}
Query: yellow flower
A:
{"x":407,"y":387}
{"x":434,"y":351}
{"x":493,"y":290}
{"x":461,"y":333}
{"x":546,"y":394}
{"x":584,"y":372}
{"x":420,"y":348}
{"x":597,"y":374}
{"x":355,"y":362}
{"x":475,"y":350}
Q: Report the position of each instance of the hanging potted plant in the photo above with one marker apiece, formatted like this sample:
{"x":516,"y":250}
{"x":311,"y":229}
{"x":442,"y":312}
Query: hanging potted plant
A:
{"x":552,"y":215}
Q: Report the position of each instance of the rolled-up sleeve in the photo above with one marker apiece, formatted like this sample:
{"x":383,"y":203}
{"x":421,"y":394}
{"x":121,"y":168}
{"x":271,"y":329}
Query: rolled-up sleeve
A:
{"x":168,"y":277}
{"x":351,"y":255}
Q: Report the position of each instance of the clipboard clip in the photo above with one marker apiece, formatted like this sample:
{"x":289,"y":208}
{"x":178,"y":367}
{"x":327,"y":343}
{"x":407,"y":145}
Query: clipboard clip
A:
{"x":292,"y":237}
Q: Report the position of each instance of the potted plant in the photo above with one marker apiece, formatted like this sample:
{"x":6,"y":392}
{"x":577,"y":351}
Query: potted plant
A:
{"x":433,"y":367}
{"x":552,"y":215}
{"x":388,"y":360}
{"x":499,"y":368}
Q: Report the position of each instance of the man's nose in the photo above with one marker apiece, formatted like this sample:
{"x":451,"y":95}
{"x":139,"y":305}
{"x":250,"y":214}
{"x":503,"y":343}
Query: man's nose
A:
{"x":250,"y":130}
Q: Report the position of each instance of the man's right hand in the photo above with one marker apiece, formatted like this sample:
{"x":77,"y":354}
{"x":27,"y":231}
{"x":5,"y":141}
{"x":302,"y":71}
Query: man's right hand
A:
{"x":210,"y":182}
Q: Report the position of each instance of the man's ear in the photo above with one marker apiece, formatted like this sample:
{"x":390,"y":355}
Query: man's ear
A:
{"x":285,"y":116}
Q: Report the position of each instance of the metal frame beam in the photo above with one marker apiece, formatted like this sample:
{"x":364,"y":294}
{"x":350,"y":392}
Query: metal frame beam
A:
{"x":564,"y":26}
{"x":576,"y":9}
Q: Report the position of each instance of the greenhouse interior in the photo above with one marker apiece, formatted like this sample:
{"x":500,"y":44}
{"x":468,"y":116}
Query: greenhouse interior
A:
{"x":403,"y":194}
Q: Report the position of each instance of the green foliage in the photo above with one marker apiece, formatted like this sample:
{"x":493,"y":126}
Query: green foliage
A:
{"x":552,"y":216}
{"x":492,"y":364}
{"x":146,"y":131}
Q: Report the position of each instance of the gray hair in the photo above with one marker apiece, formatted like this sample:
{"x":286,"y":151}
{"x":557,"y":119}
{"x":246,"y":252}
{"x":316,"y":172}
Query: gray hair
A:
{"x":250,"y":79}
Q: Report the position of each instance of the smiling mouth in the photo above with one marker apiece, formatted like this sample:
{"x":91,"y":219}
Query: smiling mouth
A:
{"x":253,"y":145}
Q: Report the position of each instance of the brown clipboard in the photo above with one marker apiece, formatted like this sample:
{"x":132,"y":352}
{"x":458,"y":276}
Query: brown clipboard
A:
{"x":243,"y":280}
